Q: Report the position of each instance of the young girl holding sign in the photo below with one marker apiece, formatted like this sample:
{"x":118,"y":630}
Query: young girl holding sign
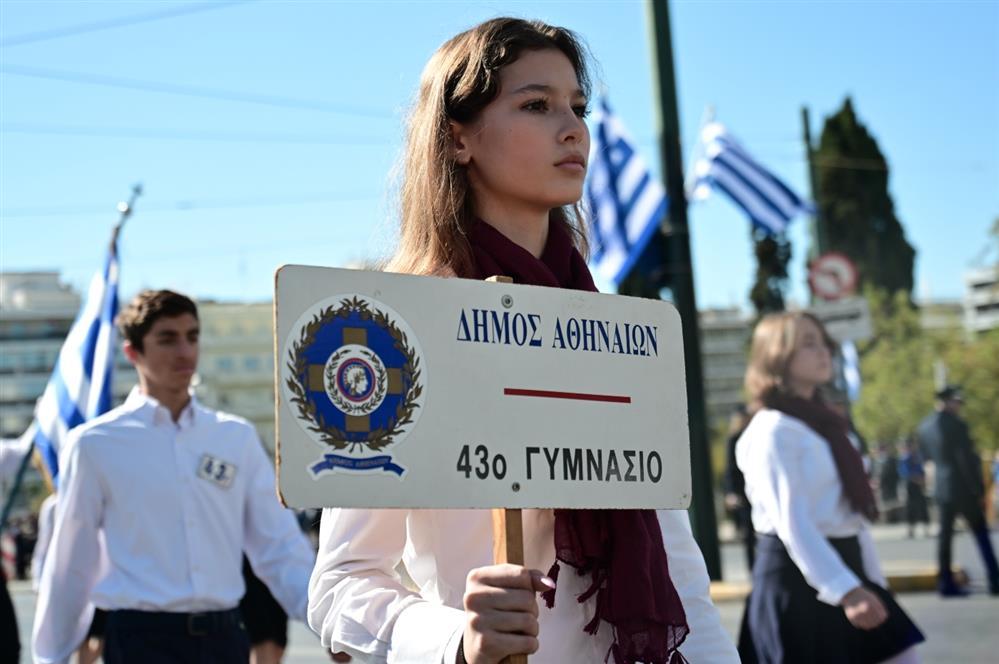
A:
{"x":818,"y":591}
{"x":495,"y":162}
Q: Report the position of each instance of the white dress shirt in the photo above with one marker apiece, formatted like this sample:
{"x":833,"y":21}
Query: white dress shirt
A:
{"x":358,"y":604}
{"x":12,"y":451}
{"x":46,"y":522}
{"x":174,"y":505}
{"x":795,"y":492}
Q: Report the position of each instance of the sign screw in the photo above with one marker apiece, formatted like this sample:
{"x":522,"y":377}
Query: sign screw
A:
{"x":507,"y":301}
{"x":516,"y":486}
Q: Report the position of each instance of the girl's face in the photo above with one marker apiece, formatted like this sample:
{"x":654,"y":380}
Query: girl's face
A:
{"x":528,"y":148}
{"x":811,"y":363}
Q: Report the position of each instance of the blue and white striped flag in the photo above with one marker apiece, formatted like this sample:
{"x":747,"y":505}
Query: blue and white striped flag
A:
{"x":726,"y":165}
{"x":80,"y":386}
{"x":851,"y":369}
{"x":626,"y":203}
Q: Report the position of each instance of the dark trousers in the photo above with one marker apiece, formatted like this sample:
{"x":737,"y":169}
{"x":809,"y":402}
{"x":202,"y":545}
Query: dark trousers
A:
{"x":972,"y":513}
{"x":10,"y":643}
{"x":175,"y":638}
{"x":916,"y":510}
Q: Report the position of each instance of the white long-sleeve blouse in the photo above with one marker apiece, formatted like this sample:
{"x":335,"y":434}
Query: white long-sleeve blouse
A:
{"x":795,"y":492}
{"x":358,"y":604}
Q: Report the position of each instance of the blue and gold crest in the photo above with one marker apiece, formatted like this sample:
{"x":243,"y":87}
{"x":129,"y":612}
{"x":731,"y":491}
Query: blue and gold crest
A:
{"x":354,"y":380}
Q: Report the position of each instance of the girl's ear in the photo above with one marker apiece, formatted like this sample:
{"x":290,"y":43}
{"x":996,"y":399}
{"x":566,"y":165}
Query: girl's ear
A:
{"x":461,"y":153}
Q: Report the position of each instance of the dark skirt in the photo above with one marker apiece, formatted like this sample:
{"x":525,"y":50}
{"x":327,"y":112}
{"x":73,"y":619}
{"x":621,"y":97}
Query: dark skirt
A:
{"x":786,"y":623}
{"x":98,"y":624}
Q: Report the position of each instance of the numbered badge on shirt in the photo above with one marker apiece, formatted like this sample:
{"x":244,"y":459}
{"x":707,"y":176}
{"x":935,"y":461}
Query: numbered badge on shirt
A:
{"x":216,"y":470}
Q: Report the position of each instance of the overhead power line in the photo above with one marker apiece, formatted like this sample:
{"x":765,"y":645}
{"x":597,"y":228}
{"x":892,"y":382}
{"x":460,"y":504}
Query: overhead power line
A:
{"x":189,"y":205}
{"x":190,"y":91}
{"x":71,"y":31}
{"x":187,"y":134}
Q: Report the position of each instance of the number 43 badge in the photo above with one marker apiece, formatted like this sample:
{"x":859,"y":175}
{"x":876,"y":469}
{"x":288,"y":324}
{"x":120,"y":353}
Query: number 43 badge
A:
{"x":216,"y":470}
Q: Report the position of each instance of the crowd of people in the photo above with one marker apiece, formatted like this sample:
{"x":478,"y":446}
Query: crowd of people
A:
{"x":167,"y":514}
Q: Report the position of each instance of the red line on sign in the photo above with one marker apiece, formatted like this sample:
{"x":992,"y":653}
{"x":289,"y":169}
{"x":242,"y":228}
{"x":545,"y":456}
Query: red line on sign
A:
{"x":550,"y":394}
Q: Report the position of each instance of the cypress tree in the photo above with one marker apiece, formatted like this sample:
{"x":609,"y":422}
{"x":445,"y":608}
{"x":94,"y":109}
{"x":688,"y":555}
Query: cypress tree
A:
{"x":857,"y":213}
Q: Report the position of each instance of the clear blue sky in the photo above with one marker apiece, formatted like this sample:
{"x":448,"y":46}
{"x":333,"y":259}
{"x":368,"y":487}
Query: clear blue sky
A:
{"x":284,"y":121}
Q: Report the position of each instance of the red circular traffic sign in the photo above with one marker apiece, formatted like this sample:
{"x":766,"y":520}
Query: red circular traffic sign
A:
{"x":832,"y":276}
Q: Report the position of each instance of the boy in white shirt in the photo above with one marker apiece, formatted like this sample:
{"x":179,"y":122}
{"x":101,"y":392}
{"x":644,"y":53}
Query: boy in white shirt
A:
{"x":174,"y":492}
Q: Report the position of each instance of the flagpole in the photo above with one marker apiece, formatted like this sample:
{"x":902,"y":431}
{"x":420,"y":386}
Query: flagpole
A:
{"x":707,"y":117}
{"x":125,"y":210}
{"x":676,"y":242}
{"x":818,"y":230}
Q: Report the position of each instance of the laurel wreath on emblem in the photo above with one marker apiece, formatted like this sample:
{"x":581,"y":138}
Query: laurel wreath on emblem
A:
{"x":343,"y":404}
{"x":331,"y":434}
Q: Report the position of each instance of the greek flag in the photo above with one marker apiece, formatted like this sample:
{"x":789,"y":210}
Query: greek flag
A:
{"x":80,"y":386}
{"x":626,"y":203}
{"x":725,"y":165}
{"x":851,"y":369}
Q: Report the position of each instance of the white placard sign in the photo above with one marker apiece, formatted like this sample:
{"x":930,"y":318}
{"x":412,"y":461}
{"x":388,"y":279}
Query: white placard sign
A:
{"x":404,"y":391}
{"x":845,"y":320}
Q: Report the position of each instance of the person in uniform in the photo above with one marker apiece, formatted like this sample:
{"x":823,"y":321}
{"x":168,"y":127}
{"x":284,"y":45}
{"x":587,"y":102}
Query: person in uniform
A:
{"x":494,"y":168}
{"x":818,"y":593}
{"x":960,"y":490}
{"x":174,"y":493}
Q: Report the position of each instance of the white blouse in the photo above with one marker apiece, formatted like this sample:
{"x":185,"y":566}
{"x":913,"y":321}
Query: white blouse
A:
{"x":359,"y":605}
{"x":795,"y":492}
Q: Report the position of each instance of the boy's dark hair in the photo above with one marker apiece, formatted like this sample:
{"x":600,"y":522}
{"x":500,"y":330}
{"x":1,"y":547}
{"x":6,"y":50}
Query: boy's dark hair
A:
{"x":146,"y":308}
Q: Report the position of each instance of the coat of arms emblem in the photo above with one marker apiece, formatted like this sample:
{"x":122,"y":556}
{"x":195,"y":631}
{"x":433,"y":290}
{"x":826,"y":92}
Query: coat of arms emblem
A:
{"x":354,"y":380}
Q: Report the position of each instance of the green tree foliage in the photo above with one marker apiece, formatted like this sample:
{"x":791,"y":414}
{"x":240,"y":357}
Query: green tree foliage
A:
{"x":857,"y":213}
{"x":772,"y":256}
{"x":897,"y":368}
{"x":975,"y":366}
{"x":897,"y":371}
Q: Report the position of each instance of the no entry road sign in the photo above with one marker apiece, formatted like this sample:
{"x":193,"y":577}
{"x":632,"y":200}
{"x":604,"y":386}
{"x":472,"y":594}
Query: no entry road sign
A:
{"x":832,"y":276}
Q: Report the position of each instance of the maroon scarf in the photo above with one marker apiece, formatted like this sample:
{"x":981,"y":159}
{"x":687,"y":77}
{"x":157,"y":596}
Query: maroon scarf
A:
{"x":833,"y":428}
{"x":621,"y":550}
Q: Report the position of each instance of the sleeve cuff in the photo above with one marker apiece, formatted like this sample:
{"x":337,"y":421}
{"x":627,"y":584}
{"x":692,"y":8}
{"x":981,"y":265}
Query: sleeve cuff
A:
{"x":427,"y":632}
{"x":451,"y":650}
{"x":832,"y":592}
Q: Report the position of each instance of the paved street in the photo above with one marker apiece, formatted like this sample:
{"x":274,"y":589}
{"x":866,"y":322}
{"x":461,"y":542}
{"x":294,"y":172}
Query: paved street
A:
{"x":959,"y":631}
{"x":964,"y":631}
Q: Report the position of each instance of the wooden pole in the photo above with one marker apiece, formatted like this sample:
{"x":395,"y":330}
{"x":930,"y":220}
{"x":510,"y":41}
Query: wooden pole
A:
{"x":508,"y":527}
{"x":508,"y":536}
{"x":508,"y":547}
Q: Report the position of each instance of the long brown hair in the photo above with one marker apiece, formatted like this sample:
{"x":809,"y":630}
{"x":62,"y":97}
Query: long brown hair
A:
{"x":462,"y":78}
{"x":770,"y":355}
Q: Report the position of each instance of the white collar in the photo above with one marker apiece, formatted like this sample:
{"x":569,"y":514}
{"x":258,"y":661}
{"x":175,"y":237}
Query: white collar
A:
{"x":154,"y":412}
